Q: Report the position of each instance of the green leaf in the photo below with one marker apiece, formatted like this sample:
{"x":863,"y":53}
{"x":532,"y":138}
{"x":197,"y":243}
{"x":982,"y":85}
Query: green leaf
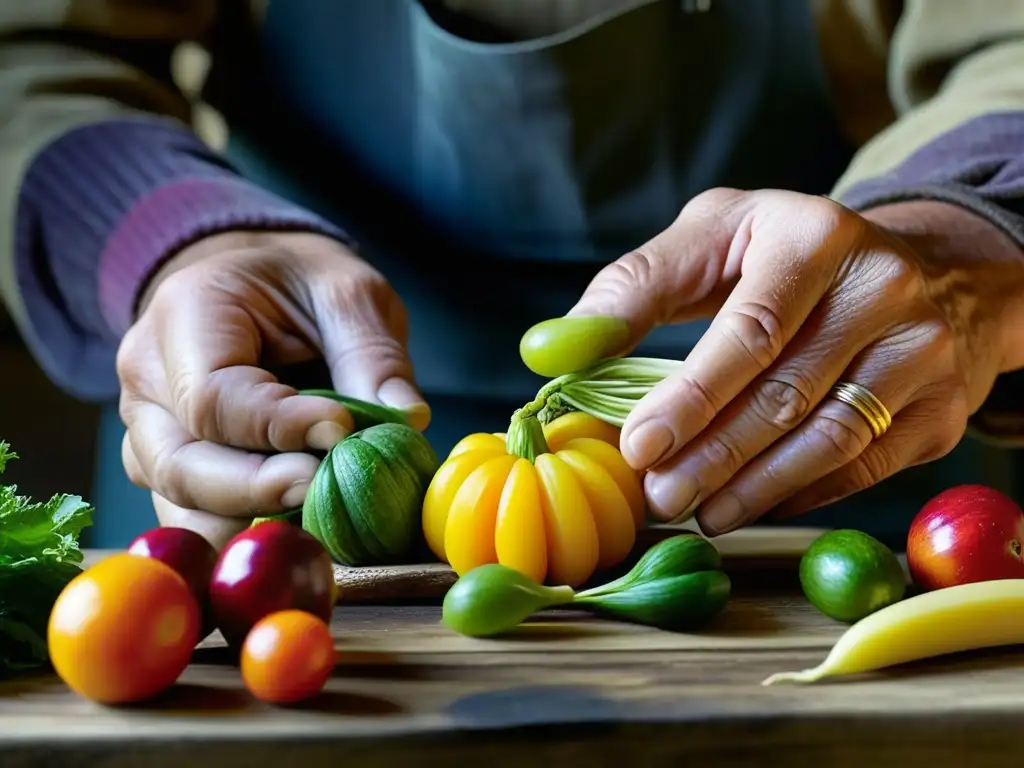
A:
{"x":39,"y":555}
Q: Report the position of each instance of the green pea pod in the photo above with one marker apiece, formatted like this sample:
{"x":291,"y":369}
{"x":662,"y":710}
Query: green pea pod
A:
{"x":675,"y":556}
{"x":673,"y":603}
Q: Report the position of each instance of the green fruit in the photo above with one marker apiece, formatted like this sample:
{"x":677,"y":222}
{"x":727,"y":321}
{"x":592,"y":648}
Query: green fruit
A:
{"x":671,"y":602}
{"x":491,"y":599}
{"x":676,"y":585}
{"x":364,"y":414}
{"x":365,"y":500}
{"x":675,"y":556}
{"x":847,"y":575}
{"x":566,"y":344}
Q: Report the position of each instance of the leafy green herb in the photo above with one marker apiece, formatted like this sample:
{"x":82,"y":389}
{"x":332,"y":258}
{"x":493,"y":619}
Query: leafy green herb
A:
{"x":39,"y":555}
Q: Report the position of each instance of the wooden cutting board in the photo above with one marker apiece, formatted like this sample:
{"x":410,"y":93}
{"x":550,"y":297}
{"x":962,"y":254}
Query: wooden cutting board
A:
{"x":761,"y":549}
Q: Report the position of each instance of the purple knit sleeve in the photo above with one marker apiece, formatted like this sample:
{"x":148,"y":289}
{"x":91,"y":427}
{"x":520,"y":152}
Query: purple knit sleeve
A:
{"x":98,"y":210}
{"x":980,"y":166}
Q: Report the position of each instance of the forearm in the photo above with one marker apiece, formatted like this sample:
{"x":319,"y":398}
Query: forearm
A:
{"x":105,"y":205}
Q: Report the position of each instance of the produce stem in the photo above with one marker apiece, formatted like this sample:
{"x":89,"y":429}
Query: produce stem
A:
{"x":525,"y":436}
{"x":608,"y":390}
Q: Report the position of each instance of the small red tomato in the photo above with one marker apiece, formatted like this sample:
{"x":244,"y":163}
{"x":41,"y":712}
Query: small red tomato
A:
{"x":287,"y":657}
{"x":270,"y":567}
{"x":188,"y":553}
{"x":123,"y":630}
{"x":968,"y":533}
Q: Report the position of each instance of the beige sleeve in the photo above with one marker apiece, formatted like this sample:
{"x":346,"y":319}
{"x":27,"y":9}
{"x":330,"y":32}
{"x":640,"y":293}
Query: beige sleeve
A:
{"x":950,"y":61}
{"x":65,"y":64}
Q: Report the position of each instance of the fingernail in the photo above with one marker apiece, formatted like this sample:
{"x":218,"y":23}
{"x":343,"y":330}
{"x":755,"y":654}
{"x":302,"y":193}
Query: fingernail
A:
{"x":399,"y":393}
{"x":671,"y":496}
{"x":649,"y":442}
{"x":324,"y":435}
{"x":295,"y":495}
{"x":687,"y":513}
{"x":722,"y":515}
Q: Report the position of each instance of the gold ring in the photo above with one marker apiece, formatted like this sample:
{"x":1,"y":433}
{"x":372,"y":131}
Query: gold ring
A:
{"x":866,"y":404}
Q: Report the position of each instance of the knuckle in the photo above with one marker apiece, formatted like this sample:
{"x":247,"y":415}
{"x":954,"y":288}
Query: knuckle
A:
{"x":886,"y":279}
{"x":757,"y":330}
{"x":126,"y":362}
{"x":695,"y":398}
{"x":387,"y":353}
{"x":902,"y":281}
{"x":831,"y":217}
{"x":782,"y":404}
{"x":838,"y":438}
{"x":635,"y":268}
{"x":724,"y":454}
{"x":170,"y":478}
{"x":712,"y":201}
{"x":198,"y":406}
{"x":940,"y":346}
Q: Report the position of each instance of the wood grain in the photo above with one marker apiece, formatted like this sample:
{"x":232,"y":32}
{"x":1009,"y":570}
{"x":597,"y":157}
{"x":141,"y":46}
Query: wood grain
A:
{"x":750,"y":550}
{"x":566,"y":689}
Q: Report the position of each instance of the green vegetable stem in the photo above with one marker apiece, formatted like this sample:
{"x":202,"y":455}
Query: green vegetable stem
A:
{"x":678,"y":584}
{"x":363,"y":414}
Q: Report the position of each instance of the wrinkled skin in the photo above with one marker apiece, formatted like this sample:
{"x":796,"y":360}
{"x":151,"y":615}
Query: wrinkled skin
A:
{"x":201,"y":412}
{"x":921,"y":302}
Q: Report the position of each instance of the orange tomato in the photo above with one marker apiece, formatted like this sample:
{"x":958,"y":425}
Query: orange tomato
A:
{"x":287,"y":656}
{"x":123,"y":630}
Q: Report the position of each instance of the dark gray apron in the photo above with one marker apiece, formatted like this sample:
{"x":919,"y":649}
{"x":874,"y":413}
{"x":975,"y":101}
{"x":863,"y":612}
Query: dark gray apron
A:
{"x":489,"y":179}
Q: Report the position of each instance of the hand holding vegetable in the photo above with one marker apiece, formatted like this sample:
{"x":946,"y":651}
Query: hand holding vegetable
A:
{"x":203,"y":414}
{"x":804,"y":294}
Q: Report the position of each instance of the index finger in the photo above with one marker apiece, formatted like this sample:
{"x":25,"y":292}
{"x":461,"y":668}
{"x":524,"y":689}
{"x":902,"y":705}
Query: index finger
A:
{"x":790,"y":259}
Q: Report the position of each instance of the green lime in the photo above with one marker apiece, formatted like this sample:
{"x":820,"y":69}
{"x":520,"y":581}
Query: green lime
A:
{"x":847,"y":574}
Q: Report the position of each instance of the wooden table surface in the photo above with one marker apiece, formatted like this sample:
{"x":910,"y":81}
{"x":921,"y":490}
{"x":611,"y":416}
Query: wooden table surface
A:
{"x":568,"y":690}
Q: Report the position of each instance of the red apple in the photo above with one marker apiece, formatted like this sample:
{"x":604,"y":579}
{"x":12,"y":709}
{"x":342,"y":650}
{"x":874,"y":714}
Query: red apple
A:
{"x":270,"y":567}
{"x":966,"y":534}
{"x":188,"y":553}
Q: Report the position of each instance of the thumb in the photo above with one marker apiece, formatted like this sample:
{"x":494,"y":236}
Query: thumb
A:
{"x":363,"y":330}
{"x":681,"y":274}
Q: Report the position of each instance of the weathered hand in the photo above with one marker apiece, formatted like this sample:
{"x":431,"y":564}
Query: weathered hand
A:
{"x":922,"y":303}
{"x":215,"y":436}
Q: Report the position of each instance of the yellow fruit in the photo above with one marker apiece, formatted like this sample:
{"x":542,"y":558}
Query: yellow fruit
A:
{"x":966,"y":617}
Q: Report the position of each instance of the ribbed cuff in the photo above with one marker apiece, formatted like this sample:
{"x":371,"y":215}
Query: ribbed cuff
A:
{"x":98,"y":210}
{"x":175,"y":215}
{"x":978,"y":166}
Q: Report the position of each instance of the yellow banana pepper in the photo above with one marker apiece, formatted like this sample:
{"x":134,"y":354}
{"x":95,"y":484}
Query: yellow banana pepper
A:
{"x":557,"y":502}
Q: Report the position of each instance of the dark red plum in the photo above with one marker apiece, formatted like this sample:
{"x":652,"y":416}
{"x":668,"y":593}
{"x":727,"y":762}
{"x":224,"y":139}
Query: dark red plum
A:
{"x":272,"y":566}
